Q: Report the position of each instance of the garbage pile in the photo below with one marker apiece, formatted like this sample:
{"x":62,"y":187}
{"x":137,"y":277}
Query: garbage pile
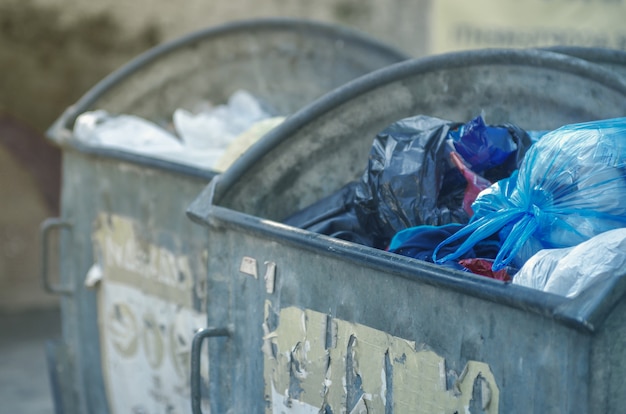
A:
{"x":541,"y":209}
{"x":210,"y":137}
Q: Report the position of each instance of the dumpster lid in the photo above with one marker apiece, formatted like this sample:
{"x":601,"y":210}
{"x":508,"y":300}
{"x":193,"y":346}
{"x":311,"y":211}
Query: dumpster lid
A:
{"x":537,"y":58}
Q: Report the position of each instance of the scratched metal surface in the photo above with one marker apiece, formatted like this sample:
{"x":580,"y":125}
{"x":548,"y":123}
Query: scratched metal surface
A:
{"x":284,"y":62}
{"x":547,"y":354}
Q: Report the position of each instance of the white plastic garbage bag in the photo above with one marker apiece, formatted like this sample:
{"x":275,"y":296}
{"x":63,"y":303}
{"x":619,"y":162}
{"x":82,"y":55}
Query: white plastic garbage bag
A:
{"x":202,"y":140}
{"x":218,"y":126}
{"x":568,"y":271}
{"x":136,"y":135}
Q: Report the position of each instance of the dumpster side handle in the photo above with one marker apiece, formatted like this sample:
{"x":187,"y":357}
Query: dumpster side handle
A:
{"x":46,"y":228}
{"x":196,"y":354}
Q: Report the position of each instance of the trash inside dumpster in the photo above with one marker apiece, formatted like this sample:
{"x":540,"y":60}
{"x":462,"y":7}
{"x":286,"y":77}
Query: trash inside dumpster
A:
{"x":199,"y":138}
{"x":568,"y":271}
{"x":569,"y":188}
{"x":132,"y":266}
{"x":411,"y":180}
{"x":329,"y":324}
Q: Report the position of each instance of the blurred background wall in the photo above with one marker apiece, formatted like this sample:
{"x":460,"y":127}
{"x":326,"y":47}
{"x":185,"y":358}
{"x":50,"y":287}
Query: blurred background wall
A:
{"x":53,"y":51}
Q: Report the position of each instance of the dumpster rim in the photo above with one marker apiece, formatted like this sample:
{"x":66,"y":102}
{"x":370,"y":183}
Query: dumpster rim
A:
{"x":584,"y":313}
{"x":596,"y":55}
{"x":127,"y":157}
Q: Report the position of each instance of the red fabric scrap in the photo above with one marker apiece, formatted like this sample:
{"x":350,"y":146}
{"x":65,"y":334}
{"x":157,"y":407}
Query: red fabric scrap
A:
{"x":483,"y":267}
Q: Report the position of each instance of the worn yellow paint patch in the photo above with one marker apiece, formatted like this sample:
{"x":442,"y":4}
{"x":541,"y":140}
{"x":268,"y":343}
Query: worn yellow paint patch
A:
{"x":362,"y":351}
{"x":313,"y":361}
{"x":127,"y":258}
{"x":301,"y":353}
{"x":420,"y":384}
{"x":146,"y":317}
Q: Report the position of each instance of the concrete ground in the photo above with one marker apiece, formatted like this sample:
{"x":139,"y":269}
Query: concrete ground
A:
{"x":24,"y":383}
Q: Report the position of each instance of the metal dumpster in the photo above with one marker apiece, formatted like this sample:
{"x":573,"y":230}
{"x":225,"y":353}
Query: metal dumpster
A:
{"x":306,"y":323}
{"x":132,"y":266}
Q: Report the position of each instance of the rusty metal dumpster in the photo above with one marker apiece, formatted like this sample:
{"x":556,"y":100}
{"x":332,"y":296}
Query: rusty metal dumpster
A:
{"x":132,"y":266}
{"x":305,"y":323}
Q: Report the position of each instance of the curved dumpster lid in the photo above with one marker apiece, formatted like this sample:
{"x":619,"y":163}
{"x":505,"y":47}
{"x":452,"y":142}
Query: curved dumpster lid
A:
{"x":271,"y":58}
{"x":388,"y":94}
{"x":325,"y":145}
{"x":613,"y":59}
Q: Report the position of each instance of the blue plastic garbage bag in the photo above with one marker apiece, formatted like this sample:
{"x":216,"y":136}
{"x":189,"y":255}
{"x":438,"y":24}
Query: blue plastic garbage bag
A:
{"x":487,"y":147}
{"x":571,"y":186}
{"x":419,"y":243}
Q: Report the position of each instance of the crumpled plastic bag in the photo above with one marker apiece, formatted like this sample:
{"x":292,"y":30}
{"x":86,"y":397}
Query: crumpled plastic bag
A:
{"x":411,"y":180}
{"x":136,"y":135}
{"x":568,"y":271}
{"x":570,"y":186}
{"x":217,"y":126}
{"x":333,"y":216}
{"x":204,"y":139}
{"x":419,"y":242}
{"x":475,"y":183}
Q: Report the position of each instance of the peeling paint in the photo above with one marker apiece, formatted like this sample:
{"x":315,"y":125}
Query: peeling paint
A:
{"x":268,"y":349}
{"x":270,"y":277}
{"x":330,"y":333}
{"x":386,"y":378}
{"x":280,"y":405}
{"x":354,"y":382}
{"x":147,"y":319}
{"x":94,"y":276}
{"x":127,"y":258}
{"x":248,"y":266}
{"x":360,"y":407}
{"x":366,"y":371}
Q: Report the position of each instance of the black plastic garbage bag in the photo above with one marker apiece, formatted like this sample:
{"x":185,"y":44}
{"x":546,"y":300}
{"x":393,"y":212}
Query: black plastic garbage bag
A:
{"x":333,"y":216}
{"x":410,"y":179}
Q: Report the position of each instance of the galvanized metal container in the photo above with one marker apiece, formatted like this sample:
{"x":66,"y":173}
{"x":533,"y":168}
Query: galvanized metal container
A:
{"x":132,"y":266}
{"x":309,"y":324}
{"x":611,"y":59}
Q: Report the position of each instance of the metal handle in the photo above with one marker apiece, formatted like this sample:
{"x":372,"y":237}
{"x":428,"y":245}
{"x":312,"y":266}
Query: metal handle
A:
{"x":46,"y":228}
{"x":196,"y":354}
